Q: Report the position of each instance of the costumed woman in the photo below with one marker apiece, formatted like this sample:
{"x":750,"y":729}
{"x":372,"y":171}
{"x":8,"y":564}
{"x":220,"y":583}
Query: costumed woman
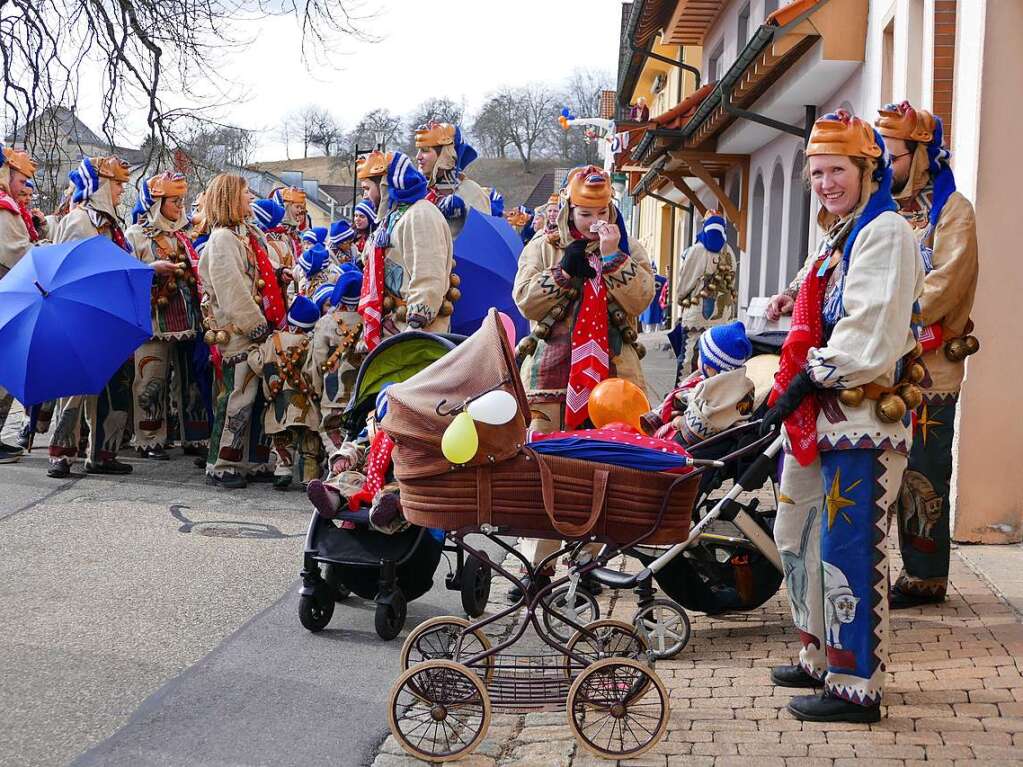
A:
{"x":17,"y":234}
{"x":296,"y":219}
{"x":946,"y":229}
{"x":844,"y":389}
{"x":407,"y":281}
{"x":705,"y":289}
{"x":341,"y":243}
{"x":442,"y":155}
{"x":242,"y":306}
{"x":99,"y":184}
{"x":268,"y":215}
{"x":364,"y":220}
{"x":158,"y":238}
{"x":583,"y":288}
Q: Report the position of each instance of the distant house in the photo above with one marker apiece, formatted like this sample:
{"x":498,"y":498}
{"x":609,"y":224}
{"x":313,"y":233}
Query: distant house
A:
{"x":548,"y":184}
{"x":322,"y":208}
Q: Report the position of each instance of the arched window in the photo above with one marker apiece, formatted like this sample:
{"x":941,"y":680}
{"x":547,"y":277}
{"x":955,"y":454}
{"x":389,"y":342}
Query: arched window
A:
{"x":756,"y":237}
{"x":774,"y":226}
{"x":797,"y":219}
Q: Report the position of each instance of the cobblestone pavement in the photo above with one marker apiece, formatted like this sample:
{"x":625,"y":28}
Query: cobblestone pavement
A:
{"x":955,"y":694}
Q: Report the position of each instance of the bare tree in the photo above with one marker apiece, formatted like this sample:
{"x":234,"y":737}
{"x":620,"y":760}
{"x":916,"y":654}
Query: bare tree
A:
{"x":328,"y":134}
{"x":378,"y":126}
{"x":521,"y":118}
{"x":441,"y":109}
{"x":489,"y":130}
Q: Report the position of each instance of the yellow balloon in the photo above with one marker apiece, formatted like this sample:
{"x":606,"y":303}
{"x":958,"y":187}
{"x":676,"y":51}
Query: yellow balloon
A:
{"x":460,"y":441}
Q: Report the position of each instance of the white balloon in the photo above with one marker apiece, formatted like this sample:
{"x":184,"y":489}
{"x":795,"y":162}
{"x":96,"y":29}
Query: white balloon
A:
{"x":495,"y":407}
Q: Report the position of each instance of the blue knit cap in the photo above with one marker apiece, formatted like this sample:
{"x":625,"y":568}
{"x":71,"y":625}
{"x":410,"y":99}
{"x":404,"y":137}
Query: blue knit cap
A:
{"x":268,"y":214}
{"x":303,"y":312}
{"x":464,"y":152}
{"x":340,"y":231}
{"x":496,"y":203}
{"x":86,"y":180}
{"x":137,"y":211}
{"x":712,"y":235}
{"x":313,"y":260}
{"x":321,"y":295}
{"x":347,"y":290}
{"x":941,"y":172}
{"x":316,"y":235}
{"x":725,"y":347}
{"x":369,"y":210}
{"x":406,"y":185}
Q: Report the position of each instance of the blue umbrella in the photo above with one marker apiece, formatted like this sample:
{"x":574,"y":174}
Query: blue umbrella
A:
{"x":70,"y":315}
{"x":487,"y":255}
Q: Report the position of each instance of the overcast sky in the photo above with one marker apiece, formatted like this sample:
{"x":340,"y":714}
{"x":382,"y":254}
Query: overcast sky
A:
{"x":460,"y":49}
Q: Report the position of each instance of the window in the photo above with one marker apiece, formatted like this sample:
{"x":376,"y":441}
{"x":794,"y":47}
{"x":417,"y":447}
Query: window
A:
{"x":742,"y":29}
{"x":756,"y":236}
{"x":774,"y":227}
{"x":797,"y":220}
{"x":714,"y":66}
{"x":770,"y":6}
{"x":887,"y":62}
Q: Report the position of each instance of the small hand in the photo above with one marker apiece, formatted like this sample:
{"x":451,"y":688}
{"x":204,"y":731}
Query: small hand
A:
{"x":575,"y":262}
{"x":779,"y":305}
{"x":610,"y":238}
{"x":165,"y":268}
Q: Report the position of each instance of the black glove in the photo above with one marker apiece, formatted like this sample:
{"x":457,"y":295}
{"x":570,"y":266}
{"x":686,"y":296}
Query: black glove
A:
{"x":575,"y":262}
{"x":787,"y":403}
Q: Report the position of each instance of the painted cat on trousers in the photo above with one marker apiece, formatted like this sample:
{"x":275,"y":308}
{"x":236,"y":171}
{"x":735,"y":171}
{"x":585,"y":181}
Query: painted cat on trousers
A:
{"x":839,"y":604}
{"x":795,"y":572}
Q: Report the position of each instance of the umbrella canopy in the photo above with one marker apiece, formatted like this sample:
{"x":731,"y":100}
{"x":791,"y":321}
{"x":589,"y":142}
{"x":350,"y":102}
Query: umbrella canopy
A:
{"x":487,"y":258}
{"x":70,"y":315}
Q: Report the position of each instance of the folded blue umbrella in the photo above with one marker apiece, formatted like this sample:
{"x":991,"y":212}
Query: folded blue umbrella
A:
{"x":614,"y":453}
{"x":70,"y":316}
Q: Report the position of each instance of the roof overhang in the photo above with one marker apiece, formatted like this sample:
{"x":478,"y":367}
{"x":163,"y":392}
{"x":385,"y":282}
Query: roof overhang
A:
{"x":645,"y":21}
{"x":690,"y":21}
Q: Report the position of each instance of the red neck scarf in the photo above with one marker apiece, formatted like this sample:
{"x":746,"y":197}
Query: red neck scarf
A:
{"x":806,"y":332}
{"x":371,"y":300}
{"x":273,"y":301}
{"x":7,"y":202}
{"x":591,"y":360}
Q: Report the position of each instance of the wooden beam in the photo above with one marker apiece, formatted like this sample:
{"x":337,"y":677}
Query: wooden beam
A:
{"x":680,"y":183}
{"x":684,"y":155}
{"x":731,"y":211}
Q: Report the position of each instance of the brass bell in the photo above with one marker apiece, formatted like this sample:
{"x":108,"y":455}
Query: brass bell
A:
{"x":191,"y":279}
{"x":630,"y":335}
{"x":572,"y":293}
{"x":972,"y":345}
{"x":455,"y":280}
{"x":260,"y":284}
{"x":172,"y":284}
{"x":618,"y":317}
{"x":446,"y":307}
{"x":916,"y":373}
{"x":454,"y":294}
{"x":911,"y":394}
{"x":891,"y":408}
{"x":526,"y":346}
{"x":209,"y":338}
{"x":179,"y":272}
{"x":222,"y":337}
{"x":557,"y":313}
{"x":401,"y":312}
{"x":851,"y":397}
{"x":388,"y":303}
{"x":162,"y":301}
{"x":955,"y":350}
{"x":541,"y":330}
{"x":640,"y":350}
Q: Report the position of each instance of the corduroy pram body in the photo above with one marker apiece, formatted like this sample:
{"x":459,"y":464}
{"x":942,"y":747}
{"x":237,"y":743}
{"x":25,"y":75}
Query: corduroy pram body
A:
{"x":507,"y":485}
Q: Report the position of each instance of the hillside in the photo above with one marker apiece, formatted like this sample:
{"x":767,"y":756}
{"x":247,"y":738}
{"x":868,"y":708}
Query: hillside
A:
{"x":507,"y":175}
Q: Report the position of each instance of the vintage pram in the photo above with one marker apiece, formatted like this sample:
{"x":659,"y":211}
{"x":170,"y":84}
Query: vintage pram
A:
{"x":453,"y":674}
{"x":393,"y":569}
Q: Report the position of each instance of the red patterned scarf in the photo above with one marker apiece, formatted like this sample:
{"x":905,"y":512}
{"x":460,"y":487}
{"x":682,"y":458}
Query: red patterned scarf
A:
{"x":591,"y":360}
{"x":806,"y":332}
{"x":273,"y":302}
{"x":9,"y":203}
{"x":371,"y":300}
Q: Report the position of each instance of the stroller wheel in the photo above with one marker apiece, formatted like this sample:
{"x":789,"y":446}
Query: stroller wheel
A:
{"x":606,"y":638}
{"x":476,"y":577}
{"x":664,"y":626}
{"x":314,"y":612}
{"x":437,"y":639}
{"x":618,"y":708}
{"x":439,"y":711}
{"x":556,"y":611}
{"x":390,"y":616}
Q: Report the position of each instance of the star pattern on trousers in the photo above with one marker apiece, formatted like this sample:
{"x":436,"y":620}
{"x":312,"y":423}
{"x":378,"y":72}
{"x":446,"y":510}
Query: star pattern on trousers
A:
{"x":836,"y":501}
{"x":924,"y":421}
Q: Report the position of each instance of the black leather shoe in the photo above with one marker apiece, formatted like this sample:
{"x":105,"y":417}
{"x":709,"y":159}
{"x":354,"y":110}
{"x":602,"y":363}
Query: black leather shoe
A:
{"x":282,"y":482}
{"x":112,"y":466}
{"x":199,"y":461}
{"x":826,"y":708}
{"x":196,"y":450}
{"x":24,"y":437}
{"x":156,"y":453}
{"x":261,"y":476}
{"x":229,"y":480}
{"x":532,"y":586}
{"x":794,"y":676}
{"x":10,"y":453}
{"x":900,"y":600}
{"x":59,"y":468}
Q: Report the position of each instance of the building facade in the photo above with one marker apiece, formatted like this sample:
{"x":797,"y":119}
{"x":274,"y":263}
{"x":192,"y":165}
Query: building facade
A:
{"x":732,"y":138}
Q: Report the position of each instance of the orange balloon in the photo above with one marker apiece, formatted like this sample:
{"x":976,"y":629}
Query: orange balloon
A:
{"x":616,"y":399}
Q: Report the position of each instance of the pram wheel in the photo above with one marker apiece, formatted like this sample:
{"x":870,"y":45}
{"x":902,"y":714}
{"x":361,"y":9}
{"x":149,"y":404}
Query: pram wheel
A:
{"x":557,"y":611}
{"x":664,"y":626}
{"x":390,"y":616}
{"x":315,"y":612}
{"x":618,"y":708}
{"x":439,"y":711}
{"x":437,"y":638}
{"x":611,"y":639}
{"x":476,"y":578}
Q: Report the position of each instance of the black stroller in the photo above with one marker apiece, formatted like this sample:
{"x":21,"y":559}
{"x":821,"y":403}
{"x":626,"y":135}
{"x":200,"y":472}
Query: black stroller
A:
{"x":392,"y":570}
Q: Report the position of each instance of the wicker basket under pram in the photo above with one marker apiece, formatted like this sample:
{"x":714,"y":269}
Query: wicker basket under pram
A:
{"x":507,"y":485}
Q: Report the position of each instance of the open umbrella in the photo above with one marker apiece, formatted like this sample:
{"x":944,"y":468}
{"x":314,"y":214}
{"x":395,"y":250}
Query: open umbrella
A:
{"x":70,"y":315}
{"x":487,"y":257}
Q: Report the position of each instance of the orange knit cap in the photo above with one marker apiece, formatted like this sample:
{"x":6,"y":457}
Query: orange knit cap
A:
{"x":372,"y":165}
{"x":20,"y":161}
{"x":902,"y":121}
{"x":435,"y":134}
{"x":589,"y":187}
{"x":111,"y":167}
{"x":168,"y":185}
{"x":842,"y":133}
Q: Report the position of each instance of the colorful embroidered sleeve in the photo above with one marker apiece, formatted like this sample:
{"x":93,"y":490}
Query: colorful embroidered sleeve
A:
{"x":539,"y":282}
{"x":630,"y":280}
